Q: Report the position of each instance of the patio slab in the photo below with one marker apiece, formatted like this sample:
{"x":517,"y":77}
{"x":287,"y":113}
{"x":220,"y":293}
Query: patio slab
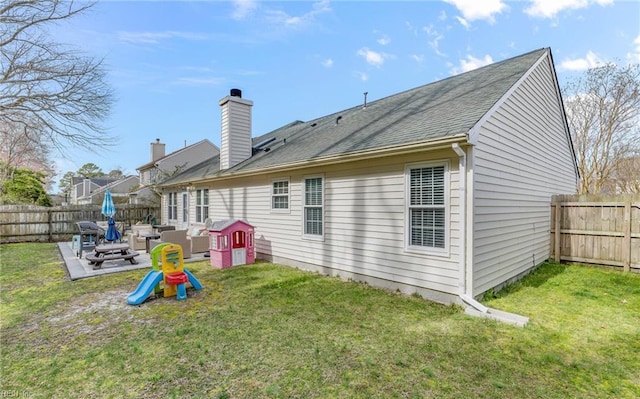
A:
{"x":80,"y":268}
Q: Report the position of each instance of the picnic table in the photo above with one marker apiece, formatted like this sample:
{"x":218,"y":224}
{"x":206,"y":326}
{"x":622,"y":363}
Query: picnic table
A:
{"x":106,"y":252}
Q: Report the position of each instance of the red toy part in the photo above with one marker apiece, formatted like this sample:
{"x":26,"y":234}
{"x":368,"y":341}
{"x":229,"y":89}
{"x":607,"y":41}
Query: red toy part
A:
{"x":176,"y":278}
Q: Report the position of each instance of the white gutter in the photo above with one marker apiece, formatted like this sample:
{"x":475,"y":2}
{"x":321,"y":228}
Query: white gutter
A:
{"x":474,"y":307}
{"x":462,"y":171}
{"x":465,"y":289}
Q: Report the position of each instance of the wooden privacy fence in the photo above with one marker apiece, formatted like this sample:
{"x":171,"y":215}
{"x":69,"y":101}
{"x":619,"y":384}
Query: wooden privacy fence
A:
{"x":604,"y":231}
{"x":25,"y":223}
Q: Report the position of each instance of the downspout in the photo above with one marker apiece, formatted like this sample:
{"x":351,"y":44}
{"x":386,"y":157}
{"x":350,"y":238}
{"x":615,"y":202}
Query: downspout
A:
{"x":465,"y":290}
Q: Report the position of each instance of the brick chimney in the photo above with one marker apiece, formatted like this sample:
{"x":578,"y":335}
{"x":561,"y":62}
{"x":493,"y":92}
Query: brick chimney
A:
{"x":157,"y":150}
{"x":235,"y":142}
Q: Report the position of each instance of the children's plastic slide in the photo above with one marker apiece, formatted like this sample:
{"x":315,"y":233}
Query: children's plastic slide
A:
{"x":193,"y":280}
{"x":145,"y":288}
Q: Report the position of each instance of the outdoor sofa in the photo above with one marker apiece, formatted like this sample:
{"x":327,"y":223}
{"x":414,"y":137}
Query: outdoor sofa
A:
{"x":193,"y":240}
{"x":135,"y":237}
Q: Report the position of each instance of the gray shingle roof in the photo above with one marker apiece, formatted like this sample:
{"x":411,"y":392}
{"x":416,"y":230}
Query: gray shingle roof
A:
{"x":445,"y":108}
{"x":100,"y":181}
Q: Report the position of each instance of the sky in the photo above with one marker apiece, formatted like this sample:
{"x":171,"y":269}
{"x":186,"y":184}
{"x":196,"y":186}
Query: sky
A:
{"x":170,"y":62}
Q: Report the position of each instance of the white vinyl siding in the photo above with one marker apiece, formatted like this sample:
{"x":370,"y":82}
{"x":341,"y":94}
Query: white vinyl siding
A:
{"x":313,"y":207}
{"x":521,"y":159}
{"x":427,"y":207}
{"x":280,"y":196}
{"x":236,"y":118}
{"x":364,"y":226}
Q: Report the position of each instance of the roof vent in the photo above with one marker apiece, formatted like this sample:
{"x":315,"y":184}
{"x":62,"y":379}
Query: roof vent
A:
{"x":338,"y":119}
{"x":262,"y":146}
{"x":236,"y":93}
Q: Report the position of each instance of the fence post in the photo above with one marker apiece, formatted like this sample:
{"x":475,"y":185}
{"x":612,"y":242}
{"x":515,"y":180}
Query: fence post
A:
{"x":557,"y":236}
{"x":626,"y":246}
{"x":50,"y":214}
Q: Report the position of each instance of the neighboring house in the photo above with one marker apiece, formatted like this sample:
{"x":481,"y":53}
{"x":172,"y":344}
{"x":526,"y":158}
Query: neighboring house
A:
{"x":120,"y":188}
{"x":443,"y":189}
{"x":163,"y":166}
{"x":83,"y":187}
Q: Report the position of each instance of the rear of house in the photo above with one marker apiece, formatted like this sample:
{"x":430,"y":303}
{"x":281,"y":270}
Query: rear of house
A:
{"x":443,"y":190}
{"x":522,"y":155}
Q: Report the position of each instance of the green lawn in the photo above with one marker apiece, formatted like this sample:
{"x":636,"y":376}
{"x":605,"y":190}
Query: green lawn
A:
{"x":268,"y":331}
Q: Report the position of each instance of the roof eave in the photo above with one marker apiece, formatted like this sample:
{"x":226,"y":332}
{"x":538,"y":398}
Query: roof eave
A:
{"x":431,"y":145}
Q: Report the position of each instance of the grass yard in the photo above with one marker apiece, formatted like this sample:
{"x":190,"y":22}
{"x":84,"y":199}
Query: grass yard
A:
{"x":268,"y":331}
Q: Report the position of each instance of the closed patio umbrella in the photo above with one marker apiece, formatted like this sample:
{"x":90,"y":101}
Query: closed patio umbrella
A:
{"x":109,"y":209}
{"x":112,"y":233}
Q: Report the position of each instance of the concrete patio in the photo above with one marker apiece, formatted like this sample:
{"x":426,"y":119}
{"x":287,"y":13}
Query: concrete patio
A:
{"x":79,"y":268}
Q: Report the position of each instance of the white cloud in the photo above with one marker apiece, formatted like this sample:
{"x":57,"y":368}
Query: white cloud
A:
{"x":417,"y":57}
{"x":551,"y":8}
{"x":328,"y":63}
{"x":156,"y":37}
{"x":411,"y":28}
{"x":243,"y":8}
{"x":373,"y":57}
{"x":435,"y":37}
{"x":591,"y":60}
{"x":297,"y":21}
{"x":635,"y":56}
{"x":473,"y":10}
{"x":471,"y":63}
{"x":463,"y":22}
{"x":362,"y":76}
{"x":384,"y":40}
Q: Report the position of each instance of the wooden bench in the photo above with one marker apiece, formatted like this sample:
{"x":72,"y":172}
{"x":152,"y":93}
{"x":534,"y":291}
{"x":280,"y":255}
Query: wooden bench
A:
{"x":111,"y":256}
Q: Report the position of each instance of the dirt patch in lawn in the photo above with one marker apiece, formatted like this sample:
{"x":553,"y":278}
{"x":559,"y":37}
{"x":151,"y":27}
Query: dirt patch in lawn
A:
{"x":95,"y":317}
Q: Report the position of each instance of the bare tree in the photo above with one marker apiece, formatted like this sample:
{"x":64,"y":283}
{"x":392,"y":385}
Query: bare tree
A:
{"x":20,"y":148}
{"x":46,"y":88}
{"x":626,"y":177}
{"x":603,"y":109}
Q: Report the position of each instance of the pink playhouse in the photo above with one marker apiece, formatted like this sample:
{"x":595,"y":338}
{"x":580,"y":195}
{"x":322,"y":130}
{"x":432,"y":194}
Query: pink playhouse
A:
{"x":231,"y":243}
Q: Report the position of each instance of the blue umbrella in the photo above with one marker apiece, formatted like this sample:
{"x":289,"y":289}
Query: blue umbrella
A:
{"x":109,"y":209}
{"x":112,"y":233}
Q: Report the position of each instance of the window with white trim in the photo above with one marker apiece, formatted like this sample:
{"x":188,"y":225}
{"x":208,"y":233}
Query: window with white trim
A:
{"x":172,"y":206}
{"x":202,"y":205}
{"x":280,"y":195}
{"x":427,"y":207}
{"x":313,"y":207}
{"x":213,"y":242}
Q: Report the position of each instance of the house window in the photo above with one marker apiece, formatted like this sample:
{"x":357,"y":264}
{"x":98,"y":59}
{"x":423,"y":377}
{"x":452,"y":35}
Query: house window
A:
{"x":313,"y":207}
{"x":427,"y":207}
{"x":185,"y":207}
{"x":202,"y":205}
{"x":280,"y":195}
{"x":173,"y":206}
